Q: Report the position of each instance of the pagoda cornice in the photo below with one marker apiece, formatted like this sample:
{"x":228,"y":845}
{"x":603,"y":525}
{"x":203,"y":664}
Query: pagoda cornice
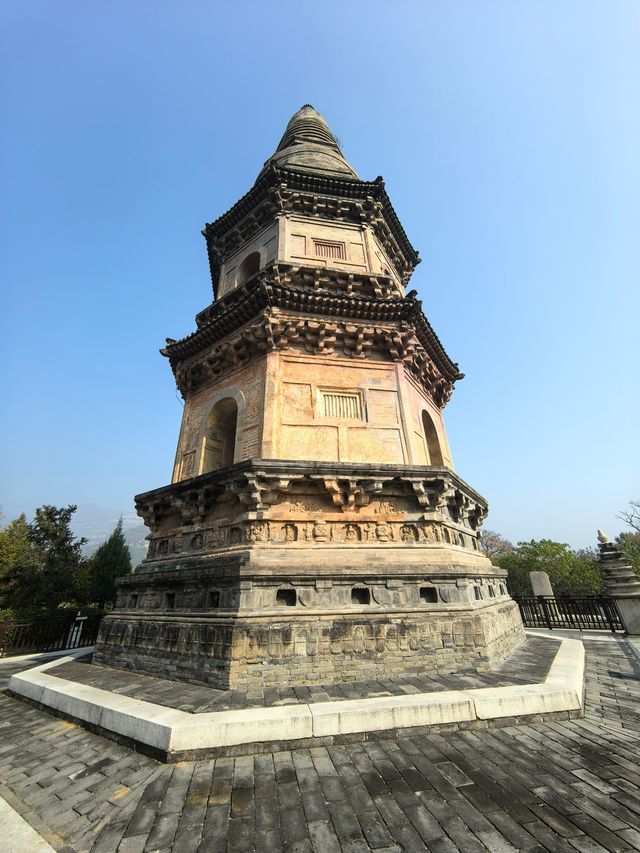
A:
{"x":284,"y":191}
{"x":261,"y":483}
{"x":276,"y":330}
{"x":308,"y":291}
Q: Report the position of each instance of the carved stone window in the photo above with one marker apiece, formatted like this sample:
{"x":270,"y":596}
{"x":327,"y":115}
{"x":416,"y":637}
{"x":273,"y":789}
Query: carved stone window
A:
{"x":478,"y":593}
{"x":213,"y":599}
{"x":429,"y":594}
{"x":324,"y":249}
{"x":187,"y":464}
{"x":286,"y":597}
{"x":342,"y":404}
{"x":360,"y":595}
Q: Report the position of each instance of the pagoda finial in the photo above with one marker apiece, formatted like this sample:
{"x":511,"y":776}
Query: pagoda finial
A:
{"x":308,"y":145}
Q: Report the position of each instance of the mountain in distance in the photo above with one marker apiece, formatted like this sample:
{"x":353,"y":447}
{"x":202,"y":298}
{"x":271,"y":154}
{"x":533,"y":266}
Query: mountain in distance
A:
{"x":96,"y":524}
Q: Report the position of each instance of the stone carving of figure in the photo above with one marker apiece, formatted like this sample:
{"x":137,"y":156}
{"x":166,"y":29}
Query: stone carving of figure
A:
{"x":351,"y":533}
{"x":259,"y":532}
{"x":385,"y":506}
{"x":320,"y":531}
{"x":215,"y":537}
{"x":290,"y":533}
{"x":370,"y":531}
{"x":383,"y":531}
{"x":408,"y":533}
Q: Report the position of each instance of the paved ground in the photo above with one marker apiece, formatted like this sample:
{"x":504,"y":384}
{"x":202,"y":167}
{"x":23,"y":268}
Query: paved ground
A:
{"x":560,"y":786}
{"x":527,"y":665}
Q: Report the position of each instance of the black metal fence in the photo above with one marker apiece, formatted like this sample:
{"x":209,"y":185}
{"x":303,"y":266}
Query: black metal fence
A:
{"x":48,"y":635}
{"x":586,"y":613}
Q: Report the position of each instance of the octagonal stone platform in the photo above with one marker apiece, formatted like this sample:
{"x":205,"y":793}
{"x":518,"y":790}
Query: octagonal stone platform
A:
{"x":542,"y":679}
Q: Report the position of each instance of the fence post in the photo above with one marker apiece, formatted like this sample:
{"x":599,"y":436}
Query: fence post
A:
{"x":608,"y":606}
{"x":545,"y":609}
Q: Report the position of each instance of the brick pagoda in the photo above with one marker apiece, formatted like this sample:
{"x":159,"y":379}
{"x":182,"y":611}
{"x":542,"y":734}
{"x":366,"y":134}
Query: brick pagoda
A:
{"x":315,"y":529}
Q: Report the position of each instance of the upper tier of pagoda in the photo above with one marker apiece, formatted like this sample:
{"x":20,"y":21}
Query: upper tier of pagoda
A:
{"x":308,"y":176}
{"x":311,"y":259}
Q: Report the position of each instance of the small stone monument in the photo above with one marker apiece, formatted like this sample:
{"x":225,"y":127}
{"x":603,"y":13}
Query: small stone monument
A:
{"x":540,"y":584}
{"x":621,"y":583}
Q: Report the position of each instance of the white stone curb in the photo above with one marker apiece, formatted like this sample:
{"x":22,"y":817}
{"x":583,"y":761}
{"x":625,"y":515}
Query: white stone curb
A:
{"x":171,"y":730}
{"x":41,"y":656}
{"x":17,"y":835}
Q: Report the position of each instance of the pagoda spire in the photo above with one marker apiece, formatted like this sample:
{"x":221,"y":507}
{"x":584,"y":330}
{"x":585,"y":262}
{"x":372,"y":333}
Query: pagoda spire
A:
{"x":308,"y":145}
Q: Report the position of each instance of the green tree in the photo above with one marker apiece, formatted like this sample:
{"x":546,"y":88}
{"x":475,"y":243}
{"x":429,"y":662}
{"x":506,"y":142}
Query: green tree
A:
{"x":570,"y":572}
{"x":58,"y":558}
{"x":629,"y":544}
{"x":18,"y":565}
{"x":111,"y":561}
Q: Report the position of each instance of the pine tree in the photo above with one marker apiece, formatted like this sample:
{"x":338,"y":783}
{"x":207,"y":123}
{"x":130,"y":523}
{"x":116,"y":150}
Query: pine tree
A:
{"x":111,"y":561}
{"x":57,"y":555}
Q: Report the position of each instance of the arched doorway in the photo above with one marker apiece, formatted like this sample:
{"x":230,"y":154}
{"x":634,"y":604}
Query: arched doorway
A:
{"x":434,"y":453}
{"x":219,"y":440}
{"x":248,"y":268}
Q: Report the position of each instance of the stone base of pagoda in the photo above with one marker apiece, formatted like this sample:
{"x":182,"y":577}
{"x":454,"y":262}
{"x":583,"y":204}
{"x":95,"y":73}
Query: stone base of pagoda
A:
{"x":271,"y":651}
{"x":299,"y":573}
{"x":274,"y":648}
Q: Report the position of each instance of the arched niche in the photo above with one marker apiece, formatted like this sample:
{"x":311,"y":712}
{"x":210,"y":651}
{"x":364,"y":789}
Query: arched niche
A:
{"x":219,"y":433}
{"x":248,"y":268}
{"x":434,"y":451}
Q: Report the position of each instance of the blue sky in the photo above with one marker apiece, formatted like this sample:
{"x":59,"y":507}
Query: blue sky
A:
{"x":508,"y":133}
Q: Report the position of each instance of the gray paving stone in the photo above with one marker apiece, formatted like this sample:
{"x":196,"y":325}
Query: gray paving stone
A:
{"x":594,"y":830}
{"x":315,"y":806}
{"x":132,"y":844}
{"x":323,"y":837}
{"x":554,"y":786}
{"x":214,"y":828}
{"x":267,"y":841}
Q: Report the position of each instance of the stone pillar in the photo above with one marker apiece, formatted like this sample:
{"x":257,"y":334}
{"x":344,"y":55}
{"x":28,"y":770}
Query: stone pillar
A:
{"x":621,"y":583}
{"x":540,"y":584}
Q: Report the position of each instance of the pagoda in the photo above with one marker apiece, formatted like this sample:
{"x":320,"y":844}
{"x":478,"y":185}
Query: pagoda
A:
{"x":315,"y":529}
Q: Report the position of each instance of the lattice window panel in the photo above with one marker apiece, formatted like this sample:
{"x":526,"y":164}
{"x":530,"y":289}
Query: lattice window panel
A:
{"x":344,"y":405}
{"x":330,"y":250}
{"x":187,"y":464}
